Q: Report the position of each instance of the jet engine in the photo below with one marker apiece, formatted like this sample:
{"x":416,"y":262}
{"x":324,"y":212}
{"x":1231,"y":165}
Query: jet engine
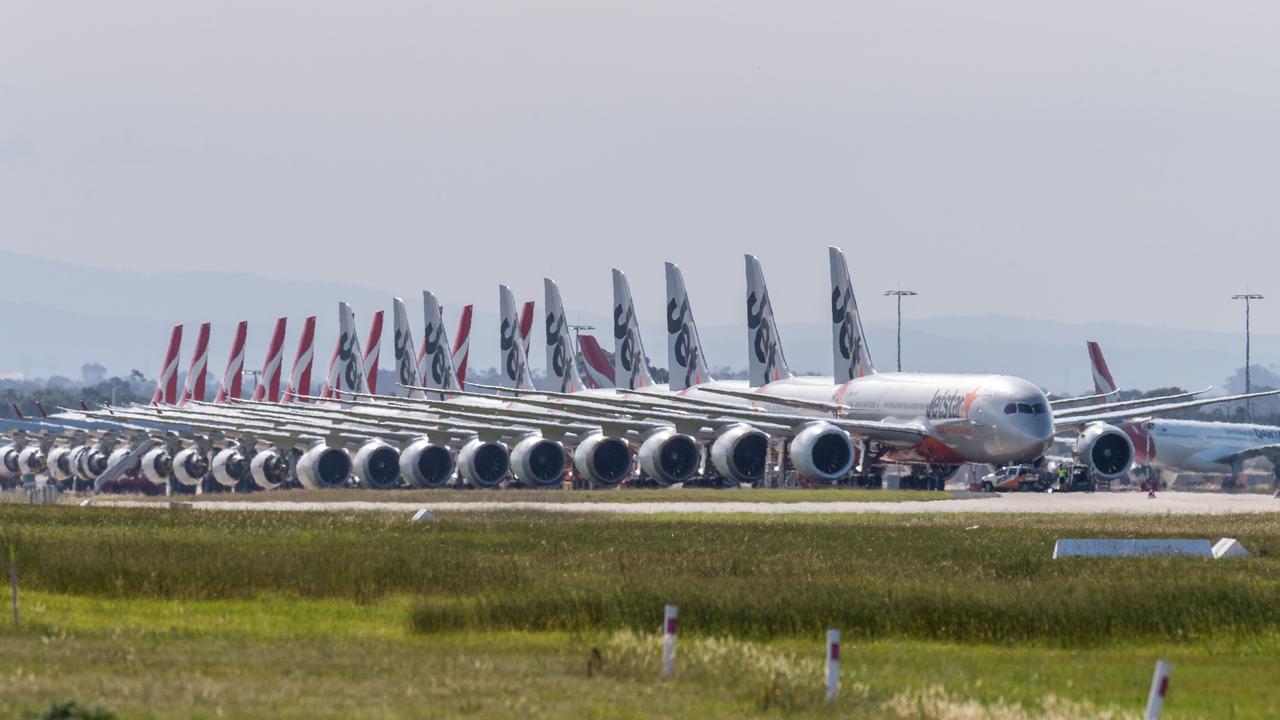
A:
{"x":324,"y":467}
{"x":669,"y":457}
{"x":603,"y":460}
{"x":538,"y":462}
{"x":89,"y":462}
{"x":740,"y":453}
{"x":1105,"y":448}
{"x":484,"y":464}
{"x":189,"y":466}
{"x":156,"y":466}
{"x":8,"y":462}
{"x":269,"y":469}
{"x":59,"y":461}
{"x":821,"y":451}
{"x":229,"y":466}
{"x":378,"y":465}
{"x":31,"y":460}
{"x":426,"y":464}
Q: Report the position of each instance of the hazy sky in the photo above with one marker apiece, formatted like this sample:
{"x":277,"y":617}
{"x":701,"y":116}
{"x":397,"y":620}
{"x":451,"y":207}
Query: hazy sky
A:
{"x":1066,"y":160}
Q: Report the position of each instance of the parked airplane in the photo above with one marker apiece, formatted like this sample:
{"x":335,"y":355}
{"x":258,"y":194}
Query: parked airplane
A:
{"x":1191,"y":445}
{"x":932,"y":419}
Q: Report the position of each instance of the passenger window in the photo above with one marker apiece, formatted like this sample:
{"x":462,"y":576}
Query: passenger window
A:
{"x":1024,"y":408}
{"x":1010,"y":409}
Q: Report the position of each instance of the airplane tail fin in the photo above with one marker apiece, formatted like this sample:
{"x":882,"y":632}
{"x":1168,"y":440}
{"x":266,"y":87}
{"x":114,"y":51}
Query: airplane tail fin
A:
{"x":1103,"y":383}
{"x":229,"y":389}
{"x":687,"y":364}
{"x":630,"y":364}
{"x":764,"y":347}
{"x":402,"y":343}
{"x":194,"y":389}
{"x":848,"y":342}
{"x":167,"y":381}
{"x":526,"y":326}
{"x":351,"y":376}
{"x":437,"y":359}
{"x":462,"y":346}
{"x":268,"y":388}
{"x":562,"y":365}
{"x":300,"y":377}
{"x":373,"y":351}
{"x":515,"y":365}
{"x":596,"y":363}
{"x":17,"y":412}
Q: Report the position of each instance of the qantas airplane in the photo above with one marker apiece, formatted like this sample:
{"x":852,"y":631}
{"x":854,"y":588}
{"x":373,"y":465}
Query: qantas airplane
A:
{"x":1191,"y":445}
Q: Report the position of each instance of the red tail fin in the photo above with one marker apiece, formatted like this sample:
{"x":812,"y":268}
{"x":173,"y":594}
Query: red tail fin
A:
{"x":229,"y":389}
{"x":526,"y":324}
{"x":373,"y":350}
{"x":269,"y":379}
{"x":16,"y":412}
{"x":1102,"y":380}
{"x":462,"y":345}
{"x":300,"y":378}
{"x":194,"y":389}
{"x":43,"y":414}
{"x":167,"y":382}
{"x":599,"y":368}
{"x":82,"y":407}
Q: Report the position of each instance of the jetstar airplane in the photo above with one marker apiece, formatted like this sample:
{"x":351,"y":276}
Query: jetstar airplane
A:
{"x":959,"y":418}
{"x":1191,"y":445}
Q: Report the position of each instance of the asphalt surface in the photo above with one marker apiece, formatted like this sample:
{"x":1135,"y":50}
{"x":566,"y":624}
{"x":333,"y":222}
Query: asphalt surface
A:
{"x":1132,"y":503}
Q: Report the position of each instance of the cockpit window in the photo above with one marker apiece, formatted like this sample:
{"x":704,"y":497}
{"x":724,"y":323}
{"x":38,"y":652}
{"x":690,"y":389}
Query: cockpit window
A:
{"x":1039,"y":408}
{"x":1011,"y":408}
{"x":1024,"y":408}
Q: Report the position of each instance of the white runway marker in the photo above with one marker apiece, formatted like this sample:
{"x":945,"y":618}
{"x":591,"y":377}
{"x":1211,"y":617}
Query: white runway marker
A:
{"x":668,"y":641}
{"x":1159,"y":686}
{"x":833,"y":664}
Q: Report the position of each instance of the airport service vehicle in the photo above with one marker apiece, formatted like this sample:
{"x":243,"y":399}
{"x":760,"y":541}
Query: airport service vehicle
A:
{"x":1018,"y":478}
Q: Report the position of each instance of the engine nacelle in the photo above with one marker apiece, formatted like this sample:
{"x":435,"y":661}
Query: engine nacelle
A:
{"x":269,"y":469}
{"x":60,"y":467}
{"x":323,"y":467}
{"x":740,"y":453}
{"x":377,"y":464}
{"x":821,"y":451}
{"x":538,"y":462}
{"x":1105,"y":449}
{"x":190,"y":466}
{"x":603,"y":460}
{"x":426,"y":464}
{"x":668,"y":457}
{"x":9,"y":461}
{"x":156,"y":466}
{"x":31,"y":460}
{"x":484,"y":464}
{"x":229,"y":466}
{"x":89,"y":462}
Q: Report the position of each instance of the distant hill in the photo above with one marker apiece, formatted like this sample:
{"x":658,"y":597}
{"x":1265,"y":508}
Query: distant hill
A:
{"x":58,"y":315}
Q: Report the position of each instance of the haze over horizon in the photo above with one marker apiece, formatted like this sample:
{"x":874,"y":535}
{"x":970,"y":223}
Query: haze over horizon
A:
{"x":1067,"y":163}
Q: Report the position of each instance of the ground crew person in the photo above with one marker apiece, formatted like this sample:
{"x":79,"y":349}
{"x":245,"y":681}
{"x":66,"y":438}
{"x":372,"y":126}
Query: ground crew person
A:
{"x":1062,"y":477}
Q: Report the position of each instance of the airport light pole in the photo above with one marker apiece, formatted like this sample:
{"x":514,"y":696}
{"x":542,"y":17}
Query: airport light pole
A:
{"x":900,"y":294}
{"x":1247,"y":298}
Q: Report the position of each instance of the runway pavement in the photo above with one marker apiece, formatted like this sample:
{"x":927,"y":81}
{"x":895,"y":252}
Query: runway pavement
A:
{"x":1177,"y":503}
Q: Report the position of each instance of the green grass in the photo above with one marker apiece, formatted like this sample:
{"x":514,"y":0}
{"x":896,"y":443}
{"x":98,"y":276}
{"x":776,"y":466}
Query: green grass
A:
{"x":176,"y":613}
{"x":627,"y":495}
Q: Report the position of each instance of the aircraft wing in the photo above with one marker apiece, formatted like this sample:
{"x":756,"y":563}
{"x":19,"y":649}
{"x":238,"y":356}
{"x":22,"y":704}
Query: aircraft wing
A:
{"x":1072,"y":422}
{"x":1055,"y":402}
{"x":1141,"y":402}
{"x":832,"y":408}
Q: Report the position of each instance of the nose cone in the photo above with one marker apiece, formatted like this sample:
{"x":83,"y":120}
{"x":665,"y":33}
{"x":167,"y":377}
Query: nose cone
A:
{"x":1024,"y":418}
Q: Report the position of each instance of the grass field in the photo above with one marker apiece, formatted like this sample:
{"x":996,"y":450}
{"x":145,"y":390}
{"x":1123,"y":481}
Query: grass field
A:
{"x":163,"y":613}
